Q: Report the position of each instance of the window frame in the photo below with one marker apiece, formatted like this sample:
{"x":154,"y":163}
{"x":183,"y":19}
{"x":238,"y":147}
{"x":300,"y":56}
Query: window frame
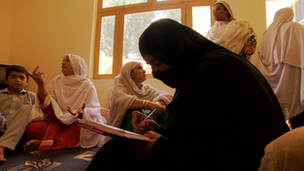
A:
{"x":120,"y":11}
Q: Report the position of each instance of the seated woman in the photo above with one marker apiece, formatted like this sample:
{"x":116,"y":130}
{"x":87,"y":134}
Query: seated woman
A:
{"x":222,"y":115}
{"x":69,"y":93}
{"x":129,"y":93}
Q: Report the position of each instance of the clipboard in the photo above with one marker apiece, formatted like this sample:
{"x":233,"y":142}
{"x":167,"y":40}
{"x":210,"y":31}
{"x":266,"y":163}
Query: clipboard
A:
{"x":110,"y":131}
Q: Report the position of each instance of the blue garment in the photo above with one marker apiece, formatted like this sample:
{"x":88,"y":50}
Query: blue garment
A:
{"x":10,"y":103}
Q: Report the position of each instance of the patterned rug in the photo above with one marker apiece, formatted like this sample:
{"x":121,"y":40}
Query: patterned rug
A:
{"x":72,"y":159}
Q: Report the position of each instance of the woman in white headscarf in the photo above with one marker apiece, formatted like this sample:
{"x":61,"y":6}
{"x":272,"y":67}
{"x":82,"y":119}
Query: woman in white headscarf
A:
{"x":130,"y":93}
{"x":234,"y":34}
{"x":281,"y":60}
{"x":66,"y":95}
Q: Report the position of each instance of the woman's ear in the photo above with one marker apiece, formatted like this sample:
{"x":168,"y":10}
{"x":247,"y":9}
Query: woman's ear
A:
{"x":131,"y":75}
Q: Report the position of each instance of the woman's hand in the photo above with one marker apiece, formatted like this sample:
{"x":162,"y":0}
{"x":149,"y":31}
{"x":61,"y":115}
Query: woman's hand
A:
{"x":158,"y":106}
{"x":78,"y":113}
{"x":250,"y":48}
{"x":149,"y":128}
{"x":147,"y":147}
{"x":37,"y":76}
{"x":143,"y":146}
{"x":148,"y":125}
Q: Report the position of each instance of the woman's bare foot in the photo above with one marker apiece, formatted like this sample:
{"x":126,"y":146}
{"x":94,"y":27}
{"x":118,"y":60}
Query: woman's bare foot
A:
{"x":2,"y":159}
{"x":32,"y":145}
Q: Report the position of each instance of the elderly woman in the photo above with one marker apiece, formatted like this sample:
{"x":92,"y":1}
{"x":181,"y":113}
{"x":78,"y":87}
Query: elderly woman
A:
{"x":234,"y":34}
{"x":280,"y":59}
{"x":71,"y":93}
{"x":129,"y":93}
{"x":222,"y":115}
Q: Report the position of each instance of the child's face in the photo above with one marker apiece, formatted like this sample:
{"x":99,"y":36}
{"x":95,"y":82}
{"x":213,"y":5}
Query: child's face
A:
{"x":16,"y":81}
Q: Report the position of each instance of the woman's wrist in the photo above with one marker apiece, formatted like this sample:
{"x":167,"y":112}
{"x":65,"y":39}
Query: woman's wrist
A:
{"x":44,"y":102}
{"x":162,"y":103}
{"x":145,"y":104}
{"x":153,"y":105}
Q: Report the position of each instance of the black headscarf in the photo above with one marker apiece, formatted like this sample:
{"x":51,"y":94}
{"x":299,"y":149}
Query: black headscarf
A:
{"x":178,"y":46}
{"x":174,"y":44}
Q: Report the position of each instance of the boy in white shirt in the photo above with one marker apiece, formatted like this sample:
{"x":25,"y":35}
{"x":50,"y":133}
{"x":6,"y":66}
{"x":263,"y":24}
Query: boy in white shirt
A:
{"x":15,"y":107}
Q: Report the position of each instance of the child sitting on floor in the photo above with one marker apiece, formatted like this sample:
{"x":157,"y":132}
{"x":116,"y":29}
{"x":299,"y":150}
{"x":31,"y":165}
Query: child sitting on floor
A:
{"x":14,"y":108}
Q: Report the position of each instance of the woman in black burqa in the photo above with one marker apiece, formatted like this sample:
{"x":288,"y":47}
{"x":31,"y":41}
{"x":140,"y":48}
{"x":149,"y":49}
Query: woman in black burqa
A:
{"x":222,"y":115}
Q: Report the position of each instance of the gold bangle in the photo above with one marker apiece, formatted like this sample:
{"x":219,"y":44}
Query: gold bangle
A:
{"x":147,"y":102}
{"x":143,"y":104}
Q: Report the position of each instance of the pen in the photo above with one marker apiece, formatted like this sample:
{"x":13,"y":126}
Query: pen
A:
{"x":148,"y":117}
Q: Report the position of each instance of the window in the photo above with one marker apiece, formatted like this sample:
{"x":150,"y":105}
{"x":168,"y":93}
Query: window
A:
{"x":298,"y":8}
{"x":273,"y":6}
{"x":121,"y":22}
{"x":115,"y":3}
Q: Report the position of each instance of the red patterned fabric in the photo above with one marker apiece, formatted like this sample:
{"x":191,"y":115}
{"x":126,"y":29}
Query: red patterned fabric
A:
{"x":54,"y":134}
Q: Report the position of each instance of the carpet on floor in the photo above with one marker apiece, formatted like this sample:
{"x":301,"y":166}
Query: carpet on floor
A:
{"x":69,"y":159}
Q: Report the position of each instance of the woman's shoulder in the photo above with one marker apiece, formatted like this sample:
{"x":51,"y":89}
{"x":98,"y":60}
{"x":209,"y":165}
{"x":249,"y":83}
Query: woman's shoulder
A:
{"x":119,"y":88}
{"x":294,"y":26}
{"x":88,"y":83}
{"x":71,"y":80}
{"x":241,"y":22}
{"x":57,"y":77}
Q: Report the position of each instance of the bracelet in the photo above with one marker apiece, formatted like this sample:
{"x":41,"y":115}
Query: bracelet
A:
{"x":145,"y":104}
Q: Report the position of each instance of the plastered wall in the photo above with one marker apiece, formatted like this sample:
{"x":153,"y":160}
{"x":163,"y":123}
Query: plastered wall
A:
{"x":6,"y":17}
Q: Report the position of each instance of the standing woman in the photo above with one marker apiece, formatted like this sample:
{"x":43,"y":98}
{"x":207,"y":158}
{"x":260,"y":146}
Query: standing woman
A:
{"x":222,"y":115}
{"x":66,"y":95}
{"x":234,"y":34}
{"x":130,"y":93}
{"x":280,"y":60}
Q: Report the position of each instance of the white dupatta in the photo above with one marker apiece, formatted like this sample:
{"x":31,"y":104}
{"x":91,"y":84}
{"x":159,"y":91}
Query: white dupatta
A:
{"x":73,"y":91}
{"x":281,"y":61}
{"x":125,"y":92}
{"x":233,"y":35}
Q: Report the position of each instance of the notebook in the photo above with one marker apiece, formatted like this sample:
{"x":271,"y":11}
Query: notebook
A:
{"x":110,"y":131}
